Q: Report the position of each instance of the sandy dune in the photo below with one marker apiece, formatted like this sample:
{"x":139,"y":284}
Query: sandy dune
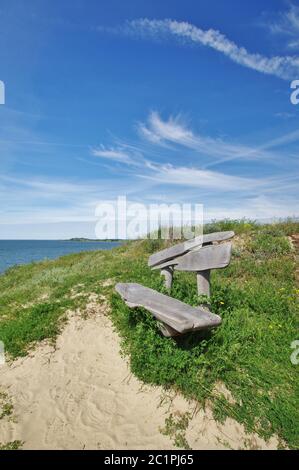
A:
{"x":82,"y":395}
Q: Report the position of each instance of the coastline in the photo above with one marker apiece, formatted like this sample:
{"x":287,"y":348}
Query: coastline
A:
{"x":22,"y":252}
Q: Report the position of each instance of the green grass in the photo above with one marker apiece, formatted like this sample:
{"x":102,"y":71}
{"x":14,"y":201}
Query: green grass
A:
{"x":13,"y":445}
{"x":175,"y":428}
{"x":6,"y":407}
{"x":256,"y":297}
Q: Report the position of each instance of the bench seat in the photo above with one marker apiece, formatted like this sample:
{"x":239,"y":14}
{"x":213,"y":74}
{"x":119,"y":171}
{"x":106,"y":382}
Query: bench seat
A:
{"x":177,"y":317}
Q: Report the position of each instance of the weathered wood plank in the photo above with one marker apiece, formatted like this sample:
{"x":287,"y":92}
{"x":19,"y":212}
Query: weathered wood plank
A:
{"x":177,"y":315}
{"x":208,"y":257}
{"x":169,"y":263}
{"x":168,"y":256}
{"x":218,"y":236}
{"x":174,"y":251}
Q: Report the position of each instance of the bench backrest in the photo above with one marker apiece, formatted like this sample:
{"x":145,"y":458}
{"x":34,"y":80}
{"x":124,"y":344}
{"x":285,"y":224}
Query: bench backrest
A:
{"x":163,"y":256}
{"x":208,"y":257}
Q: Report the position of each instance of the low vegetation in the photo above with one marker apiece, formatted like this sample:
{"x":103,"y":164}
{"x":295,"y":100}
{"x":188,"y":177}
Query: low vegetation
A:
{"x":6,"y":407}
{"x":6,"y":412}
{"x":249,"y":354}
{"x":176,"y":427}
{"x":13,"y":445}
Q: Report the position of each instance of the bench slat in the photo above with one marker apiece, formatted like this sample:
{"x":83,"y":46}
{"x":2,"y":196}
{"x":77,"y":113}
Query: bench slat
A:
{"x":163,"y":256}
{"x":174,"y":313}
{"x":209,"y":257}
{"x":174,"y":251}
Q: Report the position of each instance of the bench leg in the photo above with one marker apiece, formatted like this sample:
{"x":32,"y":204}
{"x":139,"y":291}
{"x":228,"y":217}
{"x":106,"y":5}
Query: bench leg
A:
{"x":203,"y":282}
{"x":167,"y":331}
{"x":168,"y":275}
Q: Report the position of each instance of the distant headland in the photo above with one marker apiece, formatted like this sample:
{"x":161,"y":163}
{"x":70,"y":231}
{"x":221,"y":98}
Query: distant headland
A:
{"x":82,"y":239}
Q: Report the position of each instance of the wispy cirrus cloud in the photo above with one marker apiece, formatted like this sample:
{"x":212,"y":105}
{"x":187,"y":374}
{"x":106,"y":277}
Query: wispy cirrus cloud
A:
{"x":285,"y":115}
{"x":36,"y":198}
{"x":218,"y":182}
{"x":287,"y":24}
{"x":114,"y":154}
{"x":258,"y":207}
{"x":285,"y":67}
{"x":175,"y":131}
{"x":199,"y":178}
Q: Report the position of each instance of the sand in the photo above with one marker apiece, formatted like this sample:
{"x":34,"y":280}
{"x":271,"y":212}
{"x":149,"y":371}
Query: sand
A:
{"x":80,"y":394}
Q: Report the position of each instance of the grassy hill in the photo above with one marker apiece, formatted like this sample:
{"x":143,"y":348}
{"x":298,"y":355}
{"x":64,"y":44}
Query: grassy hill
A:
{"x":249,"y":355}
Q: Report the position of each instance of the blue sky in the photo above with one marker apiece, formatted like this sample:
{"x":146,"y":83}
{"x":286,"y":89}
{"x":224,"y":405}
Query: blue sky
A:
{"x":165,"y":102}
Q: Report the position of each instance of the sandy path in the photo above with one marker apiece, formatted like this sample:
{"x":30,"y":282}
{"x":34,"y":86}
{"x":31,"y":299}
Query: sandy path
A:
{"x":82,"y":395}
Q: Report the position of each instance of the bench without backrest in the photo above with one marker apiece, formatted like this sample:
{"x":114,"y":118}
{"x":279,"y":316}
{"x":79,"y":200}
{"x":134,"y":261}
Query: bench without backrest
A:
{"x":178,"y":316}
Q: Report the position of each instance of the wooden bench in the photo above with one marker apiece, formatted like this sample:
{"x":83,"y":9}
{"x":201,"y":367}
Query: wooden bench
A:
{"x":197,"y":255}
{"x":175,"y":317}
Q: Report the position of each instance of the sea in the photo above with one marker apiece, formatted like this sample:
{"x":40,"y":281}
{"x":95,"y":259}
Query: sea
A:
{"x":14,"y":252}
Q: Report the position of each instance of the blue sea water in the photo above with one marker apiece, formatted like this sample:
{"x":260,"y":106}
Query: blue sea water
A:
{"x":14,"y":252}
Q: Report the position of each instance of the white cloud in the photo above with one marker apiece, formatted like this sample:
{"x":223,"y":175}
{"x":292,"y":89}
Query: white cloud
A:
{"x":257,"y":208}
{"x":174,"y":130}
{"x":39,"y":199}
{"x":206,"y":179}
{"x":117,"y":155}
{"x":287,"y":24}
{"x":285,"y":115}
{"x":285,"y":67}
